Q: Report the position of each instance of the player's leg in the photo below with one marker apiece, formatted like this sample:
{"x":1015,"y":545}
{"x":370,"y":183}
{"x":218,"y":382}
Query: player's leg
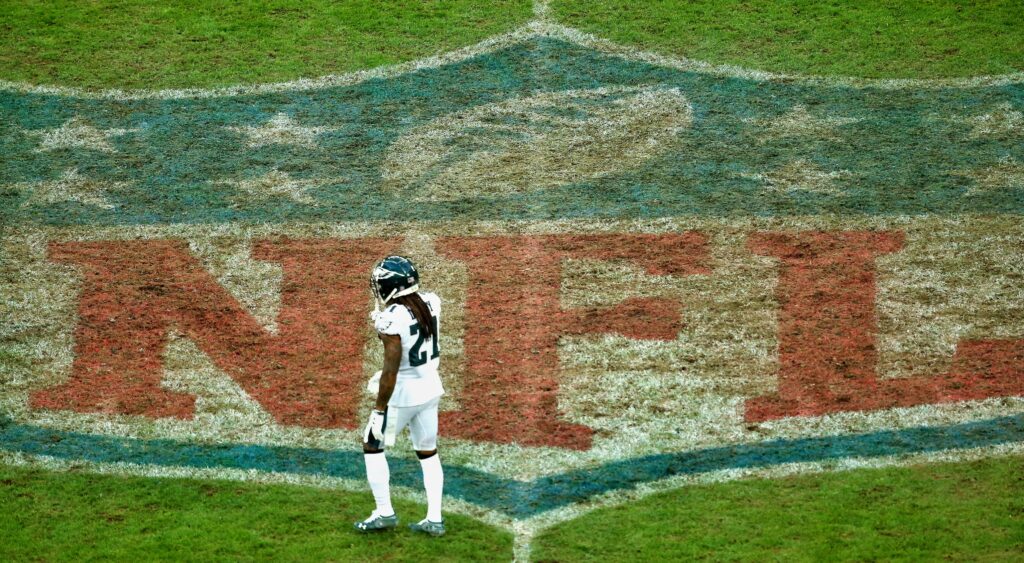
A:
{"x":378,"y":474}
{"x":423,"y":428}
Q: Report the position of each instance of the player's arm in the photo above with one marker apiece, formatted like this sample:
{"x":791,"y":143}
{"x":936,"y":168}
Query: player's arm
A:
{"x":389,"y":375}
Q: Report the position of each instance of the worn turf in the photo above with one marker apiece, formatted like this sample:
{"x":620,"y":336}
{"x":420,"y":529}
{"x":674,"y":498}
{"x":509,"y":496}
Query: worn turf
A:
{"x":745,"y":155}
{"x":966,"y":511}
{"x":140,"y":44}
{"x":72,"y":517}
{"x":874,"y":38}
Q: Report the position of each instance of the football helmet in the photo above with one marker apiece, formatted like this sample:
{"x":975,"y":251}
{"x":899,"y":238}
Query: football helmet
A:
{"x":392,"y":277}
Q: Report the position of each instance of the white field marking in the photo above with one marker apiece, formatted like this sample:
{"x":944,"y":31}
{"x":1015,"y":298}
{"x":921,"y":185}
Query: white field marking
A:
{"x":798,"y":122}
{"x":524,"y":530}
{"x":38,"y":298}
{"x":71,"y":186}
{"x":280,"y":129}
{"x":541,"y":10}
{"x":529,"y":139}
{"x":800,"y":175}
{"x":1003,"y":120}
{"x":276,"y":183}
{"x":727,"y":346}
{"x":254,"y":283}
{"x":527,"y":529}
{"x":222,"y":406}
{"x":485,"y":46}
{"x":77,"y":133}
{"x":682,"y":63}
{"x":948,"y":283}
{"x":522,"y":543}
{"x":533,"y":29}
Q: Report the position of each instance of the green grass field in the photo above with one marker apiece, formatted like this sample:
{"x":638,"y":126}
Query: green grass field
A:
{"x":77,"y":516}
{"x":954,"y":511}
{"x":138,"y":44}
{"x":959,"y":511}
{"x":871,"y":39}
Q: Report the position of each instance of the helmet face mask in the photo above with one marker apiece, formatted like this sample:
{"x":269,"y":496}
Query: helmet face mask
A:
{"x":392,"y":277}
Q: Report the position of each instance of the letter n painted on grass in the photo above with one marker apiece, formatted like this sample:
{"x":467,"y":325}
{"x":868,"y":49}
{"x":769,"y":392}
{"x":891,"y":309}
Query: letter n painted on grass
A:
{"x":514,"y":321}
{"x":827,"y":333}
{"x":136,"y":292}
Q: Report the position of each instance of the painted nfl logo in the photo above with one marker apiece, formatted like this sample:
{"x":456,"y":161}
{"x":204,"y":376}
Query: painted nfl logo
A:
{"x":651,"y":307}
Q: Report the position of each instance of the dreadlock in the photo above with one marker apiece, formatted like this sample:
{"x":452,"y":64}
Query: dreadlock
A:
{"x":418,"y":307}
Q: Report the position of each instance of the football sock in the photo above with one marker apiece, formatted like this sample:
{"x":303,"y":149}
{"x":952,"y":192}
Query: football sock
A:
{"x":433,"y":482}
{"x":379,"y":476}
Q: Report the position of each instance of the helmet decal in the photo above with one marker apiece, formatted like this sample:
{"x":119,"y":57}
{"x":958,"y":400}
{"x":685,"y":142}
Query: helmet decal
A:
{"x":394,"y":276}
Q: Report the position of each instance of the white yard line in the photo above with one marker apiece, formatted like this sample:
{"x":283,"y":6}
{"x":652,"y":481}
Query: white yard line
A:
{"x":541,"y":10}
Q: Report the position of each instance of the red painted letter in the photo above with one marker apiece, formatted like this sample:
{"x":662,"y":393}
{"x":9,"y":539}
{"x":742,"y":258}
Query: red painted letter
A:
{"x":135,"y":292}
{"x":514,"y":321}
{"x":827,"y":356}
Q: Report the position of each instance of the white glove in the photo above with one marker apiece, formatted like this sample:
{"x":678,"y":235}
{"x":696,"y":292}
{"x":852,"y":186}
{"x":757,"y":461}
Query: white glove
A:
{"x":373,"y":385}
{"x":376,"y":426}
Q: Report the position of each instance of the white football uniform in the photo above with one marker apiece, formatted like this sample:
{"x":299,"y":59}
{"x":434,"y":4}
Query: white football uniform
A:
{"x":418,"y":379}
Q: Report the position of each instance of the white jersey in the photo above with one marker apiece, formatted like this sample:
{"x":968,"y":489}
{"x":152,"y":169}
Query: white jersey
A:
{"x":418,"y":379}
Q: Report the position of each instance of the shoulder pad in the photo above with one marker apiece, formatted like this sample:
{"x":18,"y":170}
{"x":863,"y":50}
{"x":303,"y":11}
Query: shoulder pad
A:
{"x":387,"y":321}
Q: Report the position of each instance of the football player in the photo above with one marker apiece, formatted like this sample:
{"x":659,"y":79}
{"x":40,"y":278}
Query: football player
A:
{"x":408,"y":390}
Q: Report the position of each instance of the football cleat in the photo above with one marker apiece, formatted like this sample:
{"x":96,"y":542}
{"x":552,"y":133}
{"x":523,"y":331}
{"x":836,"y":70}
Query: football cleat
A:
{"x":425,"y":526}
{"x":377,"y":523}
{"x":392,"y":277}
